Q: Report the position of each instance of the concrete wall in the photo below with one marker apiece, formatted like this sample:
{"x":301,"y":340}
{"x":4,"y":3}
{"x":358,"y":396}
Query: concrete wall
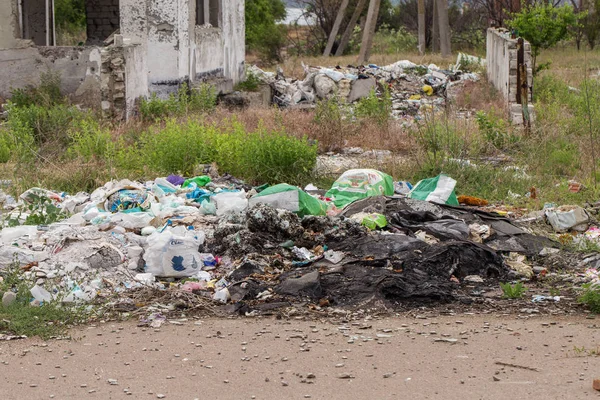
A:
{"x":220,"y":52}
{"x":79,"y":69}
{"x":501,"y":58}
{"x":102,"y":19}
{"x":136,"y":76}
{"x":9,"y":24}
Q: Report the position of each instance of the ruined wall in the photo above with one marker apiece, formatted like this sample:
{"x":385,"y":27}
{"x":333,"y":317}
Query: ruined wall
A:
{"x":234,"y":43}
{"x":102,"y":19}
{"x":221,"y":51}
{"x":501,"y":58}
{"x":9,"y":24}
{"x":136,"y":76}
{"x":79,"y":69}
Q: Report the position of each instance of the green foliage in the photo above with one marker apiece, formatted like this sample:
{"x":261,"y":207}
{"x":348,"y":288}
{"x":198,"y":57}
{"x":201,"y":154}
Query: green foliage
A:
{"x":199,"y":100}
{"x":515,"y":291}
{"x":21,"y":318}
{"x":259,"y":156}
{"x":375,"y":107}
{"x":263,"y":34}
{"x":391,"y":41}
{"x":40,"y":211}
{"x":250,"y":84}
{"x":89,"y":140}
{"x":177,"y":148}
{"x":495,"y":130}
{"x":329,"y":118}
{"x":47,"y":94}
{"x":591,"y":297}
{"x":543,"y":25}
{"x":70,"y":15}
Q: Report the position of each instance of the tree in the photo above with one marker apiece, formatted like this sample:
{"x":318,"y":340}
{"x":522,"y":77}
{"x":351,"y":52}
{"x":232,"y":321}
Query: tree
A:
{"x":543,"y":26}
{"x":263,"y":33}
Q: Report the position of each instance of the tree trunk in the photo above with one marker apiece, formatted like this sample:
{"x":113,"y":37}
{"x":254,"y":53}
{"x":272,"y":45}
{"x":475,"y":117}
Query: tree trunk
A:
{"x":421,"y":21}
{"x":336,"y":28}
{"x":435,"y":35}
{"x":350,"y":28}
{"x":444,"y":27}
{"x":369,"y":32}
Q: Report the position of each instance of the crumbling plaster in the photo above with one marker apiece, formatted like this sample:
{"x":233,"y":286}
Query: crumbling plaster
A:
{"x":79,"y":69}
{"x":9,"y":24}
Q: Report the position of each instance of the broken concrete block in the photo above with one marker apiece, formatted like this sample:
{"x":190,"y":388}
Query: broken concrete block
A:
{"x":361,"y":88}
{"x":8,"y":298}
{"x":307,"y":285}
{"x":324,"y":86}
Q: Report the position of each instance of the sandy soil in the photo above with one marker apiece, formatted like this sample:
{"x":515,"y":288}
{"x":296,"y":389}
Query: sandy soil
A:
{"x":440,"y":357}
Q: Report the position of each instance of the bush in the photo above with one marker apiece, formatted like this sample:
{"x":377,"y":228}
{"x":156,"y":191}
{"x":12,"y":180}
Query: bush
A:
{"x":265,"y":156}
{"x":392,"y":41}
{"x":495,"y":130}
{"x":263,"y":34}
{"x":177,"y":148}
{"x":199,"y":100}
{"x":329,"y":117}
{"x":89,"y":140}
{"x":591,"y":297}
{"x":47,"y":94}
{"x":250,"y":84}
{"x":374,"y":107}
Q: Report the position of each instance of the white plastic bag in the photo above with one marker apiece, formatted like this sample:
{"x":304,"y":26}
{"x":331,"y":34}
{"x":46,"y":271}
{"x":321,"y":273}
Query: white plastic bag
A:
{"x":171,"y":254}
{"x":132,"y":220}
{"x":230,"y":202}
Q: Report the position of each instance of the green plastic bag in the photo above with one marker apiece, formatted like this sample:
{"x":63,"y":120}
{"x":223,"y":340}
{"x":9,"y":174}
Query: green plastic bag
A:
{"x":374,"y":221}
{"x":438,"y":190}
{"x":290,"y":198}
{"x":356,"y":184}
{"x":198,"y":180}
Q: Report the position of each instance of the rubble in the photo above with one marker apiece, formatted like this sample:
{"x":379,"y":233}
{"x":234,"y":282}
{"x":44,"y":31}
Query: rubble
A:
{"x":413,"y":88}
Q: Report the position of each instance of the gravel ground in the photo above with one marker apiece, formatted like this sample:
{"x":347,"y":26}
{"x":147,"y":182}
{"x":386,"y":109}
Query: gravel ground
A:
{"x":450,"y":357}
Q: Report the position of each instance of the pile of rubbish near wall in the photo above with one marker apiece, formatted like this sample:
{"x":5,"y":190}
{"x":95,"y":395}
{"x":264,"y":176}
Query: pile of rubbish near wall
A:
{"x":413,"y":88}
{"x":366,"y":239}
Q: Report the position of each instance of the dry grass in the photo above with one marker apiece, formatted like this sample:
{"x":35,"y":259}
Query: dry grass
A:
{"x":331,"y":135}
{"x":571,"y":66}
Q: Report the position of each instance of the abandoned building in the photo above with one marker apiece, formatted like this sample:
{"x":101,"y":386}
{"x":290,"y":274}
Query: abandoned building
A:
{"x":134,"y":48}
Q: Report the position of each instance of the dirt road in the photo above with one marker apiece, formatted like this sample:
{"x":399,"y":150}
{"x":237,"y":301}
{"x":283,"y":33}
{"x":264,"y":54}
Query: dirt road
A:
{"x":458,"y":357}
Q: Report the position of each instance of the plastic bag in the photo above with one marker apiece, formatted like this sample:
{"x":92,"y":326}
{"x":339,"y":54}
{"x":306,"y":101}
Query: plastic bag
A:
{"x":172,"y":253}
{"x":230,"y":202}
{"x":356,"y":184}
{"x":374,"y":221}
{"x":438,"y":190}
{"x":290,"y":198}
{"x":132,"y":220}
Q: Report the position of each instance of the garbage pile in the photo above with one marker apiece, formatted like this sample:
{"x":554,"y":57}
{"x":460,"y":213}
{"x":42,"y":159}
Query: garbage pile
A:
{"x":413,"y":88}
{"x":366,"y":239}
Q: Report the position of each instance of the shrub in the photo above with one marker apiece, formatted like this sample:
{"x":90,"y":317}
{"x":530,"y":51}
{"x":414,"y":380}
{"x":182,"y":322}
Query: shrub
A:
{"x":515,"y":291}
{"x":46,"y":94}
{"x":89,"y":140}
{"x":591,"y":297}
{"x":265,"y":156}
{"x":201,"y":100}
{"x":374,"y":107}
{"x":177,"y":148}
{"x":329,"y":117}
{"x":250,"y":84}
{"x":495,"y":130}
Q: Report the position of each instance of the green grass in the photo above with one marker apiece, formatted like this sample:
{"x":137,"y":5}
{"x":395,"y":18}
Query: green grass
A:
{"x":21,"y":318}
{"x":515,"y":291}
